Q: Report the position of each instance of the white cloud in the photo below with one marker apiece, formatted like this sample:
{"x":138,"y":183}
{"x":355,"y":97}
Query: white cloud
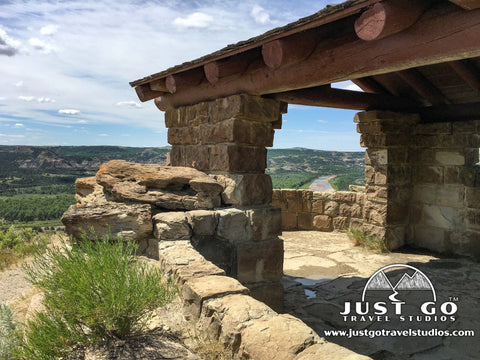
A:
{"x":45,"y":100}
{"x":322,"y":121}
{"x":19,"y":125}
{"x":11,"y":136}
{"x":131,"y":104}
{"x":49,"y":29}
{"x":195,"y":20}
{"x":19,"y":83}
{"x":69,"y":112}
{"x":26,"y":98}
{"x":2,"y":98}
{"x":260,"y":15}
{"x":103,"y":135}
{"x":82,"y":122}
{"x":8,"y":46}
{"x":41,"y":45}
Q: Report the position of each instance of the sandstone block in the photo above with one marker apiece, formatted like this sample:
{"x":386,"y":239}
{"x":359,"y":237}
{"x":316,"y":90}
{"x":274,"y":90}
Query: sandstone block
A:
{"x":374,"y":230}
{"x":237,"y":131}
{"x":232,"y":313}
{"x":451,"y":196}
{"x":180,"y":259}
{"x":289,"y":221}
{"x":317,"y":206}
{"x":356,"y":224}
{"x":285,"y":334}
{"x":202,"y":222}
{"x":182,"y":136}
{"x":148,"y":247}
{"x":323,"y":223}
{"x":269,"y":293}
{"x":233,"y":225}
{"x":88,"y":192}
{"x":353,"y":210}
{"x":173,"y":188}
{"x":127,"y":221}
{"x":199,"y":289}
{"x":245,"y":189}
{"x":429,"y":174}
{"x":231,"y":158}
{"x":197,"y":157}
{"x":331,"y":208}
{"x":434,"y":128}
{"x":177,"y":155}
{"x":265,"y":222}
{"x":473,"y":219}
{"x":395,"y":237}
{"x":472,"y":197}
{"x":375,"y":213}
{"x":369,"y":175}
{"x":344,"y":196}
{"x":340,"y":223}
{"x":305,"y":221}
{"x":253,"y":108}
{"x":377,"y":193}
{"x":443,"y":217}
{"x":260,"y":261}
{"x":171,"y":226}
{"x":432,"y":238}
{"x":376,"y":157}
{"x":450,"y":157}
{"x":328,"y":350}
{"x":307,"y":198}
{"x":294,"y":199}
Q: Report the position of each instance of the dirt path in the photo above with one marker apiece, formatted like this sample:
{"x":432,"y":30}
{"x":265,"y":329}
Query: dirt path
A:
{"x":13,"y":285}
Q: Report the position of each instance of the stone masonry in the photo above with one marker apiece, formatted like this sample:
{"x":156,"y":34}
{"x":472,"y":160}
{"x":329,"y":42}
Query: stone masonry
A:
{"x":323,"y":211}
{"x":227,"y":139}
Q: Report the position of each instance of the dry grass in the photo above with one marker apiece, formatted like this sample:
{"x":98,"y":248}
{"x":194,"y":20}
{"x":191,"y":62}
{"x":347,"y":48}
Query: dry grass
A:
{"x":368,"y":241}
{"x":208,"y":348}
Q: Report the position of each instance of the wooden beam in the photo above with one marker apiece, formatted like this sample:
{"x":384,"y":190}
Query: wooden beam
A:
{"x":325,"y":96}
{"x":389,"y":17}
{"x":159,"y":85}
{"x":467,"y":4}
{"x":369,"y":85}
{"x":236,"y":64}
{"x":423,"y":86}
{"x":454,"y":112}
{"x":184,"y":80}
{"x":288,"y":50}
{"x":429,"y":41}
{"x":468,"y":72}
{"x":145,"y":93}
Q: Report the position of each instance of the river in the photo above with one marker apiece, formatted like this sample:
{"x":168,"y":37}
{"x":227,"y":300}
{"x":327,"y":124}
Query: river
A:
{"x":322,"y":184}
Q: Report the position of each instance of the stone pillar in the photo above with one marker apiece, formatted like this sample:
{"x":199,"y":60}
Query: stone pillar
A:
{"x":227,"y":139}
{"x":388,"y":173}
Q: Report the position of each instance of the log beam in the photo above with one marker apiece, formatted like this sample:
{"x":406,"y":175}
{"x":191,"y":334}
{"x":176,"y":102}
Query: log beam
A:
{"x":288,"y":50}
{"x":427,"y":42}
{"x":369,"y":85}
{"x":468,"y":72}
{"x":184,"y":80}
{"x":387,"y":18}
{"x":453,"y":112}
{"x":145,"y":93}
{"x":467,"y":4}
{"x":236,"y":64}
{"x":423,"y":87}
{"x":159,"y":85}
{"x":326,"y":96}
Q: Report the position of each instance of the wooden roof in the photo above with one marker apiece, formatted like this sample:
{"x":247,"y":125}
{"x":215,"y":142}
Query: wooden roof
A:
{"x":405,"y":54}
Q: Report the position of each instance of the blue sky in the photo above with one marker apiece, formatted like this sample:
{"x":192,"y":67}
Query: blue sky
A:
{"x":65,"y":68}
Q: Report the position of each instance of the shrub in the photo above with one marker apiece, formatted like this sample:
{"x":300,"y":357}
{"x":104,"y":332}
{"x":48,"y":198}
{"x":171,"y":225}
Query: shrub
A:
{"x":368,"y":241}
{"x":93,"y":291}
{"x":8,"y":339}
{"x":18,"y":243}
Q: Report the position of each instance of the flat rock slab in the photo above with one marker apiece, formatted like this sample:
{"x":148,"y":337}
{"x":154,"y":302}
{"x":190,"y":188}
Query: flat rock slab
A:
{"x":317,"y":294}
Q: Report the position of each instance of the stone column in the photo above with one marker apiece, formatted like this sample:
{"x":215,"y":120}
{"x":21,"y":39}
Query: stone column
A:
{"x":227,"y":139}
{"x":388,"y":174}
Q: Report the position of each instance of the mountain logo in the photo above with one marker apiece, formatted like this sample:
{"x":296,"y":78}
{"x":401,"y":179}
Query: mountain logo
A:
{"x":413,"y":281}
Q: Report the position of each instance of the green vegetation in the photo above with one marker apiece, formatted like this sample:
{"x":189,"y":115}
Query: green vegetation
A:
{"x":8,"y":338}
{"x":93,"y":291}
{"x":297,"y":168}
{"x":16,"y":244}
{"x":368,"y":241}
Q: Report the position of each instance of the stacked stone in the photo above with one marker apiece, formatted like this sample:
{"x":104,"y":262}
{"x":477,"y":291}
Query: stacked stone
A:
{"x":388,"y":173}
{"x":445,"y":211}
{"x":323,"y":211}
{"x":227,"y":138}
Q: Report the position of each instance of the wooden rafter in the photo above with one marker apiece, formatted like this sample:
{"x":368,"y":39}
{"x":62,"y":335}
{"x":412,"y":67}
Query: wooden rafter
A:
{"x":423,"y":86}
{"x":467,"y":4}
{"x":468,"y":72}
{"x":370,"y":85}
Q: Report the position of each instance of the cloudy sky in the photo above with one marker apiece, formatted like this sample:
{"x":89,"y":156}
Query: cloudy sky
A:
{"x":65,"y":68}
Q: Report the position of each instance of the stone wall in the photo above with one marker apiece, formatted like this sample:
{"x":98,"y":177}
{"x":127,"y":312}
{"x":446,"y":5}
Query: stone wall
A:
{"x":323,"y":211}
{"x":445,"y":206}
{"x":220,"y":308}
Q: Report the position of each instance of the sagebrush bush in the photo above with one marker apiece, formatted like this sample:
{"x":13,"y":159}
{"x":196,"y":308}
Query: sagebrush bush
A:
{"x":8,"y":339}
{"x":94,"y":290}
{"x":18,"y":243}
